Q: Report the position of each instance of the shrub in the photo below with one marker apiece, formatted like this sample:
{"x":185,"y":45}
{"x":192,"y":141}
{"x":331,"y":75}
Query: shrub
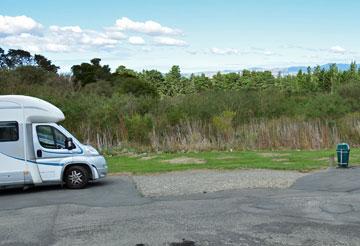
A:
{"x":223,"y":123}
{"x":139,"y":128}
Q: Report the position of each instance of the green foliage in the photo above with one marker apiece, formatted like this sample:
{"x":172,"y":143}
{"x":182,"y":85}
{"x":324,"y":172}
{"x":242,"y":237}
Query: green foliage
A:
{"x":350,"y":94}
{"x":125,"y":72}
{"x":102,"y":87}
{"x":111,"y":108}
{"x":135,"y":86}
{"x":87,"y":73}
{"x":18,"y":58}
{"x":173,"y":82}
{"x":224,"y":123}
{"x":45,"y":64}
{"x":201,"y":83}
{"x":139,"y":128}
{"x":323,"y":106}
{"x":32,"y":75}
{"x":155,"y":79}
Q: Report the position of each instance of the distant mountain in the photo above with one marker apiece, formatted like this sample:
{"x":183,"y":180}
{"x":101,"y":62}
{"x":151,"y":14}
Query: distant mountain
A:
{"x":295,"y":69}
{"x":275,"y":71}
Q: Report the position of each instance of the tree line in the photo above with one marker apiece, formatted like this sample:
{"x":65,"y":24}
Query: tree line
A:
{"x":173,"y":83}
{"x":99,"y":78}
{"x":170,"y":111}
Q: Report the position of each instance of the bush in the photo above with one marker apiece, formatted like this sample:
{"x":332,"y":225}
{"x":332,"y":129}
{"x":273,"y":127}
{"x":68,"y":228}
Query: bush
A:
{"x":139,"y":128}
{"x":323,"y":106}
{"x":223,"y":123}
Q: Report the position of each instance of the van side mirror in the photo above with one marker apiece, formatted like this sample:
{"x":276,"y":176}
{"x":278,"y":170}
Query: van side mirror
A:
{"x":69,"y":144}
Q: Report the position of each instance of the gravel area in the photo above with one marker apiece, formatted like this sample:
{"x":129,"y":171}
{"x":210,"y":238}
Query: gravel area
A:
{"x":199,"y":181}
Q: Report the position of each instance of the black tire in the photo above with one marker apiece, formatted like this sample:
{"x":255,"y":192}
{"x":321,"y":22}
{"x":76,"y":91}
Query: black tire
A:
{"x":76,"y":177}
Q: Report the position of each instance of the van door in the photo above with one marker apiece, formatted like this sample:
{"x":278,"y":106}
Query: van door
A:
{"x":51,"y":154}
{"x":12,"y":163}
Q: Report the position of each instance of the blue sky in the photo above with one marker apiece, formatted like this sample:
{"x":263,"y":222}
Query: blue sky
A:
{"x":198,"y":35}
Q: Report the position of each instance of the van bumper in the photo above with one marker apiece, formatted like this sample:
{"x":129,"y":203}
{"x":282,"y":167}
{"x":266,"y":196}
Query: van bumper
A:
{"x":100,"y":168}
{"x":102,"y":172}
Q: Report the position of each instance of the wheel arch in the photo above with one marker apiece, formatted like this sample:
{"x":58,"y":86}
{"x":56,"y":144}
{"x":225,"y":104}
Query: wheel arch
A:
{"x":85,"y":165}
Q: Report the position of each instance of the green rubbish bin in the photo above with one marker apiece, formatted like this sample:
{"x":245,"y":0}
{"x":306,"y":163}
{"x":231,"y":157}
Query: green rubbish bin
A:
{"x":343,"y":154}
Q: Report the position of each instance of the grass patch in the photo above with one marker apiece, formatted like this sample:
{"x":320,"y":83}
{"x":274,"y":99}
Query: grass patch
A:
{"x":303,"y":160}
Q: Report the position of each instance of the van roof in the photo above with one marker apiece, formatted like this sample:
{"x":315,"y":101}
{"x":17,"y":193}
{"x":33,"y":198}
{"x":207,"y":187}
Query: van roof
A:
{"x":35,"y":110}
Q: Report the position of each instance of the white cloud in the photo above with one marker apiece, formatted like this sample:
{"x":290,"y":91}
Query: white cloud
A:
{"x":34,"y":43}
{"x":166,"y":41}
{"x":148,"y":27}
{"x":136,"y":40}
{"x":24,"y":33}
{"x":60,"y":39}
{"x":17,"y":24}
{"x":115,"y":34}
{"x":75,"y":29}
{"x":74,"y":34}
{"x":94,"y":38}
{"x":226,"y":51}
{"x":337,"y":49}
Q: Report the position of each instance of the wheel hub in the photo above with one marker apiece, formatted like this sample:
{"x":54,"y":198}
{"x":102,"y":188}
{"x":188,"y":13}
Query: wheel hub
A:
{"x":76,"y":177}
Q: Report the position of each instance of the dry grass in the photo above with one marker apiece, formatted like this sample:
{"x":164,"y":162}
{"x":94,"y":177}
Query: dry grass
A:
{"x":260,"y":134}
{"x":280,"y":159}
{"x":146,"y":158}
{"x":282,"y":133}
{"x":185,"y":160}
{"x":274,"y":154}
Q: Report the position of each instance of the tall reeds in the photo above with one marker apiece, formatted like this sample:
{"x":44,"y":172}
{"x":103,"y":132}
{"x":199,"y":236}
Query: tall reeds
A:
{"x":192,"y":135}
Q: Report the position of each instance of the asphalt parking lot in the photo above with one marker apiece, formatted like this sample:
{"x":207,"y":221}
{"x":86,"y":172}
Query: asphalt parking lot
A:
{"x":319,"y":209}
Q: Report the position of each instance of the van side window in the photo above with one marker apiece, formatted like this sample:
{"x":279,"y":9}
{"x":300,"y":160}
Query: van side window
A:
{"x":50,"y":137}
{"x":9,"y":131}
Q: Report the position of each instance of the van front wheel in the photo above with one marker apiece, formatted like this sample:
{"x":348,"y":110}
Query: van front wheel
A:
{"x":76,"y":177}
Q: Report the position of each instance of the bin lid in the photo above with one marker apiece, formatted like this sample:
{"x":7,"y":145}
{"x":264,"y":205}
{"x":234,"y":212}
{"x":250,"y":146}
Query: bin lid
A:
{"x":343,"y":146}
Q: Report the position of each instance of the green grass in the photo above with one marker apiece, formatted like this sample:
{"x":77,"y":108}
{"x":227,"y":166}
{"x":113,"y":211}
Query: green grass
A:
{"x":277,"y":160}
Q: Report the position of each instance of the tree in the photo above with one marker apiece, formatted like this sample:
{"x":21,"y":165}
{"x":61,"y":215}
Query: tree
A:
{"x":353,"y":71}
{"x":123,"y":71}
{"x":87,"y":73}
{"x":2,"y":58}
{"x":264,"y":79}
{"x":306,"y":82}
{"x":332,"y":76}
{"x":201,"y":82}
{"x":154,"y":78}
{"x":218,"y":81}
{"x":137,"y":87}
{"x":173,"y":81}
{"x":45,"y":64}
{"x":18,"y":57}
{"x":129,"y":82}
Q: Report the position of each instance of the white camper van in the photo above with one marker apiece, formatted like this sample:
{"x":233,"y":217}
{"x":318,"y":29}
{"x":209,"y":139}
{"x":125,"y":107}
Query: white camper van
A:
{"x":35,"y":150}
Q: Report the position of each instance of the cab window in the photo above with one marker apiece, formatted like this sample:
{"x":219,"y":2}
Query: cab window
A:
{"x":59,"y":139}
{"x":50,"y":137}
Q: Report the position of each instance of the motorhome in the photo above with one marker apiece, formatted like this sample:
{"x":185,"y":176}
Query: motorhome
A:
{"x":36,"y":150}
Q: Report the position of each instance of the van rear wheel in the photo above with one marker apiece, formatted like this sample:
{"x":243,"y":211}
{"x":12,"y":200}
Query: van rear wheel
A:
{"x":76,"y":177}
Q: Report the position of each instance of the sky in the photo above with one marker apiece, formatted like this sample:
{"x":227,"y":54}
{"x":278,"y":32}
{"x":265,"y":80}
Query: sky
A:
{"x":197,"y":35}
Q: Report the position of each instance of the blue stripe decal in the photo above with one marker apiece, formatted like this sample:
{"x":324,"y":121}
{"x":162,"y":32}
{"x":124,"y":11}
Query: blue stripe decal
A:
{"x":47,"y":163}
{"x":41,"y":163}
